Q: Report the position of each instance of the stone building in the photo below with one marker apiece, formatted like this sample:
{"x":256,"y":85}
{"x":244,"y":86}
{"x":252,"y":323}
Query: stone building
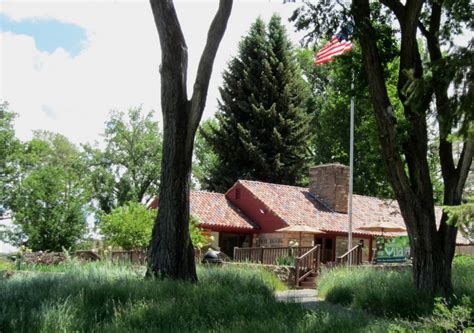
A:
{"x":250,"y":212}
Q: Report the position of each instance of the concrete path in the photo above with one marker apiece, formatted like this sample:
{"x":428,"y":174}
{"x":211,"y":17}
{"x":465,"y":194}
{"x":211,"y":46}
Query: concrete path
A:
{"x":306,"y":297}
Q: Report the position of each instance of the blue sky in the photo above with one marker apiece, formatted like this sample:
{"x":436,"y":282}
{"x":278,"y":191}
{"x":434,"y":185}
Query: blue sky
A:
{"x":49,"y":34}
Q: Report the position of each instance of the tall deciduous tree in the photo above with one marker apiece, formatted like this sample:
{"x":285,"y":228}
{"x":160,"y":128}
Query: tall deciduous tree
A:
{"x":10,"y":152}
{"x":171,"y":253}
{"x":49,"y":204}
{"x":423,"y":89}
{"x":264,"y":126}
{"x":128,"y":168}
{"x":433,"y":246}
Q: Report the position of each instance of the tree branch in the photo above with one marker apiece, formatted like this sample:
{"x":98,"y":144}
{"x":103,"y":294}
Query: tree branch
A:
{"x":201,"y":85}
{"x":464,"y":164}
{"x":174,"y":52}
{"x":397,"y":8}
{"x":386,"y":121}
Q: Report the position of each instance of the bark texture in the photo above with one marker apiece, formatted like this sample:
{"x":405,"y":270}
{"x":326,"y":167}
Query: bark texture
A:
{"x":433,"y":247}
{"x":171,"y":254}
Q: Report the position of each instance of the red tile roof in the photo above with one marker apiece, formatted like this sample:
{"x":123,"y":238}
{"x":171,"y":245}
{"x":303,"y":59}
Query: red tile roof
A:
{"x":296,"y":205}
{"x":213,"y":209}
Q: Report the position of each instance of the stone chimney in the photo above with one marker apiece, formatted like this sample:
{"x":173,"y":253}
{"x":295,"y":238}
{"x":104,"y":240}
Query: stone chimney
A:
{"x":330,"y":183}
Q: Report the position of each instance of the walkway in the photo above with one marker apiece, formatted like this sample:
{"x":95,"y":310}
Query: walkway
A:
{"x":306,"y":297}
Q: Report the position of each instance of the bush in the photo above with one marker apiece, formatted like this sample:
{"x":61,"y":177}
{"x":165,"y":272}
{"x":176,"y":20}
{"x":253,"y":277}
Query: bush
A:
{"x":131,"y":225}
{"x":381,"y":292}
{"x":463,"y":275}
{"x":389,"y":293}
{"x":285,"y":261}
{"x":445,"y":318}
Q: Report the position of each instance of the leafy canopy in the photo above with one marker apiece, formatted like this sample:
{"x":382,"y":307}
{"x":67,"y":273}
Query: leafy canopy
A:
{"x":130,"y":227}
{"x":128,"y":168}
{"x":51,"y":198}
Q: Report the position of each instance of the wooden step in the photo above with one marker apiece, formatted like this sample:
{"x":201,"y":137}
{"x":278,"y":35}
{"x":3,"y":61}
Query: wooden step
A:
{"x":309,"y":284}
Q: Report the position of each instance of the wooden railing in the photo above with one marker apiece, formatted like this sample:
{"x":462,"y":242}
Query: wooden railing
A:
{"x":267,"y":255}
{"x":353,"y":257}
{"x":135,"y":257}
{"x":87,"y":255}
{"x":307,"y":264}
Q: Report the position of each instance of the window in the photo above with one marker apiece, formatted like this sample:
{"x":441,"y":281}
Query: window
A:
{"x":237,"y":193}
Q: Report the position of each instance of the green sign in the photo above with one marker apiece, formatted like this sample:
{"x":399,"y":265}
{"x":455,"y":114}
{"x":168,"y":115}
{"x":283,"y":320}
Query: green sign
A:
{"x":393,"y":249}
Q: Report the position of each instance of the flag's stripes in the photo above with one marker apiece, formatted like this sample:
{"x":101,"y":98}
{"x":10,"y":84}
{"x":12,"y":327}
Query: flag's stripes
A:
{"x":332,"y":49}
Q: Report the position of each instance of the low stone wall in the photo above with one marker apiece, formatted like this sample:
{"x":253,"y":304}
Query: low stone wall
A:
{"x":45,"y":258}
{"x":285,"y":274}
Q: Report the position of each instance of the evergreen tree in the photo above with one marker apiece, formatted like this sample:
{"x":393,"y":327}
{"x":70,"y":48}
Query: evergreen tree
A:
{"x":263,"y":119}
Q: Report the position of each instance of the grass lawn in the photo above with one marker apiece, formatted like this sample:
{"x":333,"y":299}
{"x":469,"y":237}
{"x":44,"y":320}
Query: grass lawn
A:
{"x":5,"y":263}
{"x":103,"y":297}
{"x":391,"y":294}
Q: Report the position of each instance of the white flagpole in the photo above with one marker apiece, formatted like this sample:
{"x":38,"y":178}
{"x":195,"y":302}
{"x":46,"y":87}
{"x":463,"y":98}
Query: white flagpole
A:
{"x":351,"y":167}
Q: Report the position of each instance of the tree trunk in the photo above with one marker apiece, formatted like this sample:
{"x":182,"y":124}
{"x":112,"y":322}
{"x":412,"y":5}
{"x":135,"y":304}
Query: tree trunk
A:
{"x":432,"y":247}
{"x":171,"y":254}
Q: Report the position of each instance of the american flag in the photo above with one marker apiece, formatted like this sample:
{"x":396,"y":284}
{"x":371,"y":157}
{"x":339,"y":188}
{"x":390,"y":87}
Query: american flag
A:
{"x":339,"y":44}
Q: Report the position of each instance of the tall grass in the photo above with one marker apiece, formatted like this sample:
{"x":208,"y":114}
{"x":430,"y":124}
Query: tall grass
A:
{"x":389,"y":293}
{"x":114,"y":298}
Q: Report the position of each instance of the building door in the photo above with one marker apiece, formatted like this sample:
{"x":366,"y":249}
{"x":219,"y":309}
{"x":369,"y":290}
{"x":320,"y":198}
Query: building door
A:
{"x":227,"y":242}
{"x":327,"y":248}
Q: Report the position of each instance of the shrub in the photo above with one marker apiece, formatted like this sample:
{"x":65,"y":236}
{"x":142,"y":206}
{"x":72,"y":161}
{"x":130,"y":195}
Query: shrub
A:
{"x":131,"y":225}
{"x":445,"y":318}
{"x":463,"y":275}
{"x":390,"y":293}
{"x":285,"y":261}
{"x":381,"y":292}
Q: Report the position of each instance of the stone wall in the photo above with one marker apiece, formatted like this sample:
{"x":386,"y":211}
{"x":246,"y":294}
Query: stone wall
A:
{"x":285,"y":274}
{"x":44,"y":258}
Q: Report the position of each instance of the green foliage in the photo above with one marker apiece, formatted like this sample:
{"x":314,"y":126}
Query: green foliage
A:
{"x":381,"y":292}
{"x":5,"y":264}
{"x":198,"y":239}
{"x":128,"y":168}
{"x":387,"y":292}
{"x":205,"y":159}
{"x":128,"y":226}
{"x":102,"y":297}
{"x":263,"y":122}
{"x":49,"y":204}
{"x":462,"y":216}
{"x":10,"y":151}
{"x":463,"y":267}
{"x":285,"y":261}
{"x":331,"y":92}
{"x":445,"y":318}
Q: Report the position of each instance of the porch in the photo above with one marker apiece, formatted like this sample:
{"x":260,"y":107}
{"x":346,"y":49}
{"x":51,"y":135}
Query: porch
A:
{"x":305,"y":260}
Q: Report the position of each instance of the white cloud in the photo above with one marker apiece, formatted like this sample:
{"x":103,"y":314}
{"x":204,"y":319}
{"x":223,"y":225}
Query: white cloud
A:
{"x":118,"y":68}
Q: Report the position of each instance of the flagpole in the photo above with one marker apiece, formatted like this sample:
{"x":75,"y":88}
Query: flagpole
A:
{"x":351,"y":167}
